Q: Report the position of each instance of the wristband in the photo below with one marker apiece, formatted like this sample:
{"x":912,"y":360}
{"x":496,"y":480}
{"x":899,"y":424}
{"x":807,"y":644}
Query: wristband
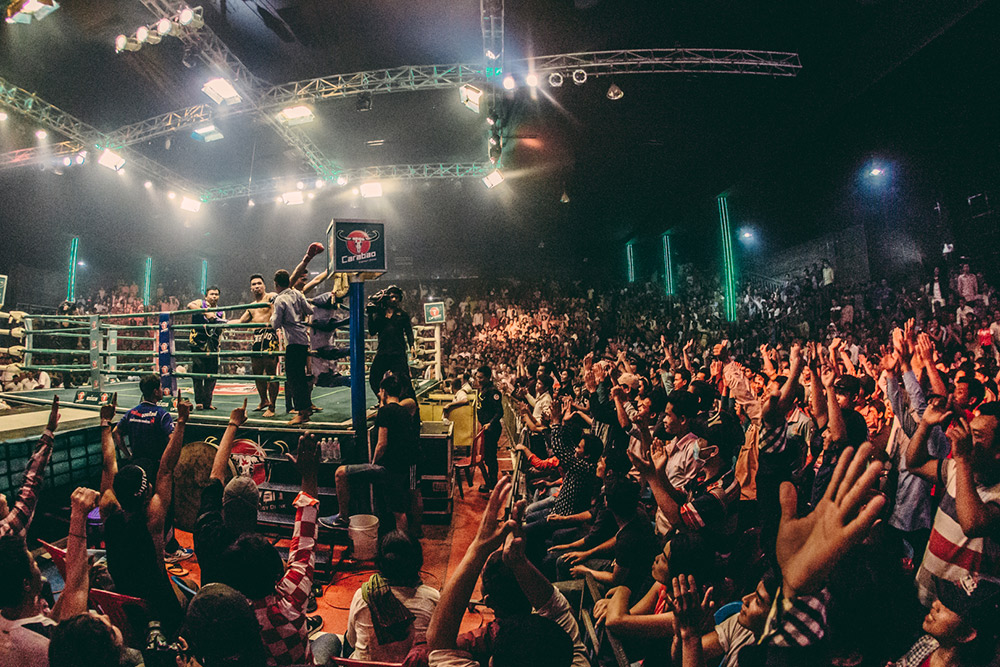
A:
{"x":82,"y":537}
{"x":232,"y":424}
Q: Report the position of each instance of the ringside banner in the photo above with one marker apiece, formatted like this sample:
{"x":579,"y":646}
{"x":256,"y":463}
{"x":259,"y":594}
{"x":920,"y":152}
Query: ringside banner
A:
{"x":356,"y":246}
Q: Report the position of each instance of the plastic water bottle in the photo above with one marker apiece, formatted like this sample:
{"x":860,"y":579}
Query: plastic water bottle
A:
{"x":325,"y":449}
{"x":335,"y":449}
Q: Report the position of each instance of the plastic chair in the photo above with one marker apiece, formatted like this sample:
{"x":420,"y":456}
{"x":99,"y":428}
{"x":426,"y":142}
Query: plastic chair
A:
{"x":727,"y":610}
{"x":474,"y":460}
{"x":127,"y":613}
{"x":57,"y":555}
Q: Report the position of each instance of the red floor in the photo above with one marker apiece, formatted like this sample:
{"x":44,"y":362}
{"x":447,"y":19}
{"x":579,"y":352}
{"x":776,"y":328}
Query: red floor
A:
{"x":444,"y":546}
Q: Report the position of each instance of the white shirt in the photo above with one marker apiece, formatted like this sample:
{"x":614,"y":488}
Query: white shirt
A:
{"x":361,"y":632}
{"x":732,"y":637}
{"x":683,"y":463}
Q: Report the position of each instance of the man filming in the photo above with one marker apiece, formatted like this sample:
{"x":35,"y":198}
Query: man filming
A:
{"x":395,"y":334}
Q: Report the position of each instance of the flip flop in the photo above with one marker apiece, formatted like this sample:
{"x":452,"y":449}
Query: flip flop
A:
{"x":177,"y":570}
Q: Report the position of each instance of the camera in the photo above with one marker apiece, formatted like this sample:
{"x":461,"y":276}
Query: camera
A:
{"x":382,"y":299}
{"x":158,"y":652}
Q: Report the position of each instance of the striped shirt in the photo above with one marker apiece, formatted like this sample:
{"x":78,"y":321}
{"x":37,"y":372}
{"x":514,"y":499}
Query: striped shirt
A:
{"x":951,"y":554}
{"x":17,"y":520}
{"x":282,"y":615}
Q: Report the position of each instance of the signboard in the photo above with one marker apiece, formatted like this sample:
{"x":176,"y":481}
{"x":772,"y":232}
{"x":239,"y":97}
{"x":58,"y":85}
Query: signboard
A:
{"x":356,"y":246}
{"x":434,"y":312}
{"x":95,"y":397}
{"x":3,"y":290}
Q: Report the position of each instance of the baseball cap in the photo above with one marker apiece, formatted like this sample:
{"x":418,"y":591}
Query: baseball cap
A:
{"x":976,"y":599}
{"x":130,"y":486}
{"x":241,"y":489}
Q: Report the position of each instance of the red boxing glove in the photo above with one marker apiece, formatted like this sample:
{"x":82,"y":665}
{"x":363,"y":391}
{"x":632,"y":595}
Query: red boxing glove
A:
{"x":314,"y":249}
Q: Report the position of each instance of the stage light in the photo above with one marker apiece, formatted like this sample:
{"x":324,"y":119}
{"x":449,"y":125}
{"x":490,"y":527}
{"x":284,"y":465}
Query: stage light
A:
{"x":509,"y":83}
{"x":221,"y":91}
{"x":191,"y":18}
{"x":531,"y":80}
{"x":493,"y":179}
{"x":300,"y":185}
{"x":23,"y":11}
{"x":165,"y":27}
{"x":81,"y":157}
{"x":111,"y":160}
{"x":67,"y":161}
{"x":41,"y":134}
{"x":354,"y":191}
{"x":279,"y":199}
{"x":495,"y":154}
{"x":492,"y":118}
{"x":250,"y":202}
{"x":579,"y":77}
{"x":192,"y":205}
{"x":555,"y":79}
{"x":207,"y":133}
{"x":876,"y":171}
{"x":293,"y":198}
{"x":171,"y":195}
{"x":311,"y":195}
{"x":470,"y":96}
{"x":148,"y":185}
{"x":746,"y":235}
{"x":364,"y":101}
{"x":320,"y":183}
{"x":126,"y":43}
{"x":371,"y":190}
{"x":494,"y":138}
{"x":491,"y":55}
{"x":342,"y":180}
{"x":142,"y":34}
{"x":375,"y":143}
{"x":565,"y":197}
{"x":293,"y":116}
{"x":3,"y":115}
{"x":615,"y":93}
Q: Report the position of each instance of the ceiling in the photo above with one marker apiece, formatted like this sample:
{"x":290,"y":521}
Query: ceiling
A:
{"x":649,"y":161}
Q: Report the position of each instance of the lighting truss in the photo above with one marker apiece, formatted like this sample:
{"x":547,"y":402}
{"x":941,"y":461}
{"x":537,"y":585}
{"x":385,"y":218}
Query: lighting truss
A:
{"x":491,"y":15}
{"x":38,"y":154}
{"x":671,"y":61}
{"x":406,"y":172}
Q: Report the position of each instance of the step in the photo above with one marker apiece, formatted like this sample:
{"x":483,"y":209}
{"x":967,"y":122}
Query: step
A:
{"x":282,"y":487}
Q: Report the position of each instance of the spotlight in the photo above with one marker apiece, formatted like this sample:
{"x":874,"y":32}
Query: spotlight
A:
{"x":23,"y":11}
{"x":293,"y":116}
{"x":747,"y":235}
{"x":250,"y":203}
{"x":492,"y":118}
{"x":165,"y":27}
{"x":148,"y":185}
{"x":876,"y":171}
{"x":371,"y":190}
{"x":81,"y":157}
{"x":494,"y":138}
{"x":615,"y":93}
{"x":531,"y":80}
{"x":565,"y":197}
{"x":41,"y":134}
{"x":142,"y":34}
{"x":341,"y":179}
{"x":67,"y":161}
{"x":579,"y":77}
{"x":191,"y":18}
{"x":152,"y":36}
{"x":470,"y":97}
{"x":3,"y":115}
{"x":320,"y":183}
{"x":509,"y":83}
{"x":555,"y":79}
{"x":493,"y":179}
{"x":171,"y":195}
{"x":111,"y":160}
{"x":279,"y":199}
{"x":495,"y":154}
{"x":311,"y":195}
{"x":207,"y":133}
{"x":354,"y":191}
{"x":191,"y":205}
{"x":364,"y":101}
{"x":293,"y":198}
{"x":126,"y":43}
{"x":491,"y":55}
{"x":220,"y":90}
{"x":300,"y":185}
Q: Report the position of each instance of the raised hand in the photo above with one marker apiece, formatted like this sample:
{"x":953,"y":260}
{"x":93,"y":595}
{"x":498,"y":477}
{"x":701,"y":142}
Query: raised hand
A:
{"x":642,"y":464}
{"x":688,"y":346}
{"x":809,"y":547}
{"x":83,"y":500}
{"x":938,"y":411}
{"x":53,"y":422}
{"x":925,"y":348}
{"x":658,"y":455}
{"x":108,"y":411}
{"x":183,"y":407}
{"x":306,"y":459}
{"x":960,"y":436}
{"x":692,"y":612}
{"x":828,"y":375}
{"x":493,"y":530}
{"x":238,"y":416}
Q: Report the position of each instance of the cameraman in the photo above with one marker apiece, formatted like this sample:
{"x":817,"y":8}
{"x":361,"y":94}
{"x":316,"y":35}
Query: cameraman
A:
{"x":395,"y":334}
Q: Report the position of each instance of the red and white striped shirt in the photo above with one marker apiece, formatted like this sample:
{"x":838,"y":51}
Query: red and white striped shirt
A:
{"x":282,"y":615}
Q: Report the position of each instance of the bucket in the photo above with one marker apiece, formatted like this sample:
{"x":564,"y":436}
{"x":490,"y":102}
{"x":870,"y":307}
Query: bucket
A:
{"x":363,"y":531}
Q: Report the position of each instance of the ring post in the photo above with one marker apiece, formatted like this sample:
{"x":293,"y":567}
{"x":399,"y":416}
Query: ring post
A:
{"x":96,"y":378}
{"x":358,"y":379}
{"x":165,"y":356}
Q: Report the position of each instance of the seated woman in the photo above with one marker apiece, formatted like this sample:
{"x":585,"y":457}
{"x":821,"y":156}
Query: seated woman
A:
{"x":390,"y":612}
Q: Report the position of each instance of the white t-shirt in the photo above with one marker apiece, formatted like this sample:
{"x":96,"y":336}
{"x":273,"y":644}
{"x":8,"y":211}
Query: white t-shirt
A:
{"x":361,"y":633}
{"x":732,"y":637}
{"x":22,"y":646}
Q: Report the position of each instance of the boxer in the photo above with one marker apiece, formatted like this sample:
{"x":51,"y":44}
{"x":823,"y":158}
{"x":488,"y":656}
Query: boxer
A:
{"x":265,"y":339}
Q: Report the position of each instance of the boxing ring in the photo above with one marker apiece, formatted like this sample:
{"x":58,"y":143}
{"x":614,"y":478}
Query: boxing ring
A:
{"x":100,"y":355}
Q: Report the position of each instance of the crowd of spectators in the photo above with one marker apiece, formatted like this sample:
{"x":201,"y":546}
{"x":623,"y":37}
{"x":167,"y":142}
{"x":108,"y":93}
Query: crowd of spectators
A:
{"x":816,"y":482}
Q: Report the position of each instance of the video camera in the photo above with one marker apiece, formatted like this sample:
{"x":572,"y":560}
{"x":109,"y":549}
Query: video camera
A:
{"x":382,"y":299}
{"x":158,"y":652}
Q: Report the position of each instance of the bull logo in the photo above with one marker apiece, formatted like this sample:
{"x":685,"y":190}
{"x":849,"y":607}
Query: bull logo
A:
{"x":358,"y":242}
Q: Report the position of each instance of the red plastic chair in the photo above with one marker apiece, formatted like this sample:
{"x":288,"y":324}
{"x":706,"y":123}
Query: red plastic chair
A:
{"x":347,"y":662}
{"x":474,"y":460}
{"x":57,"y":555}
{"x":127,"y":613}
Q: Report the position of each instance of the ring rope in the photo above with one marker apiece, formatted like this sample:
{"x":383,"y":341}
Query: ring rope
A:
{"x":129,"y":353}
{"x":226,"y":376}
{"x":129,"y":327}
{"x":229,"y":353}
{"x":46,"y":350}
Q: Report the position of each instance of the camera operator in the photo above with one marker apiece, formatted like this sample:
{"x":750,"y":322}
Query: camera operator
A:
{"x":395,"y":334}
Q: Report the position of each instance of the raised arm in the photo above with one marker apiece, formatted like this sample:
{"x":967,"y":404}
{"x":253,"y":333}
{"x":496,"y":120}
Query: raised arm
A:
{"x":164,"y":489}
{"x":301,"y":268}
{"x":73,"y":599}
{"x":925,"y":348}
{"x":110,"y":468}
{"x":17,"y":519}
{"x":918,"y":457}
{"x":237,"y":418}
{"x":295,"y":585}
{"x":977,"y":518}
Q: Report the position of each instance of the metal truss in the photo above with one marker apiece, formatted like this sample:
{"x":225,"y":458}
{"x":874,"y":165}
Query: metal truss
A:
{"x":164,"y":124}
{"x":491,"y":14}
{"x":666,"y":61}
{"x":38,"y":154}
{"x":81,"y":135}
{"x":405,"y":172}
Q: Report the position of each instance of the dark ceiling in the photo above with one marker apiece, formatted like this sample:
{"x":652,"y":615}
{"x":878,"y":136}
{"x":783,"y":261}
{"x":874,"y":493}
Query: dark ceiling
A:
{"x":652,"y":160}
